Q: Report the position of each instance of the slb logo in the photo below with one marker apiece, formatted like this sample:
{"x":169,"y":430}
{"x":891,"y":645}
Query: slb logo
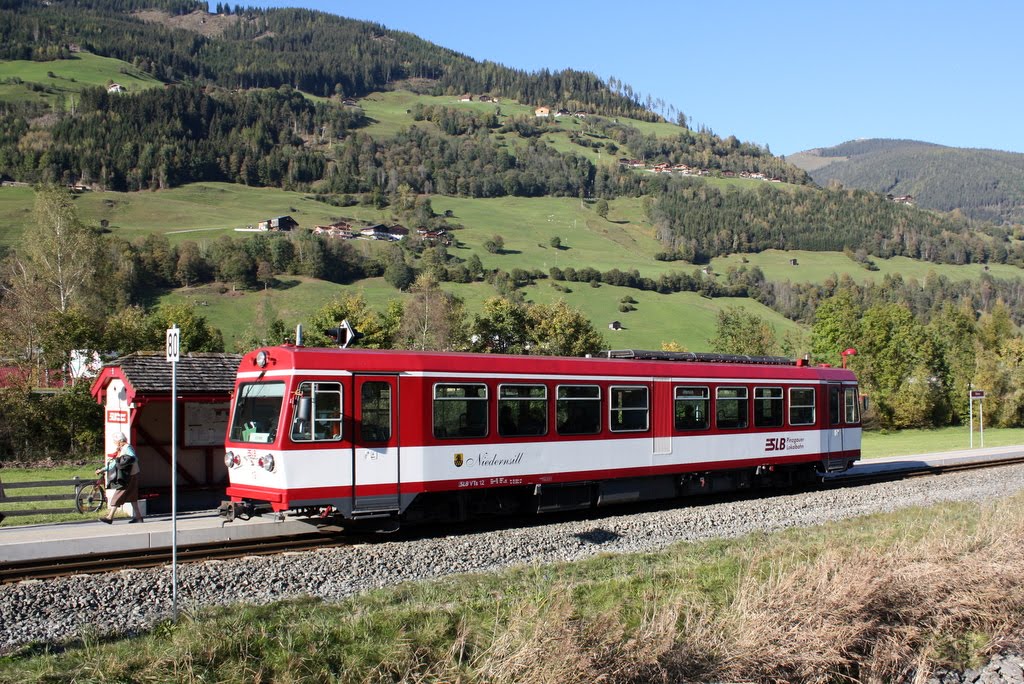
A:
{"x":775,"y":444}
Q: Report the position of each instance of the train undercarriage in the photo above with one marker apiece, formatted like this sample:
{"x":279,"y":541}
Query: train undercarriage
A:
{"x":466,"y":505}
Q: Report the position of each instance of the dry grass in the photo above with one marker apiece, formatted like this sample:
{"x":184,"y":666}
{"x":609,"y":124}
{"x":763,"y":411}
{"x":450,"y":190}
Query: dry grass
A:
{"x":875,"y":616}
{"x":847,"y":615}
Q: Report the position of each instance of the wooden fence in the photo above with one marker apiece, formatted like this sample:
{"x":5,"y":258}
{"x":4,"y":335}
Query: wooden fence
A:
{"x":77,"y":483}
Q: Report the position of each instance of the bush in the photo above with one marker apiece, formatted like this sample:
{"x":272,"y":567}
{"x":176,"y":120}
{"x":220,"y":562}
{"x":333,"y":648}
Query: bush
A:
{"x":66,"y":424}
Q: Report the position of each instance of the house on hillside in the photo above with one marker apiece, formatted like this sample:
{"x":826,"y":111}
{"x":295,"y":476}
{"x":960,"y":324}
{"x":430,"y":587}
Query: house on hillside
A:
{"x":116,"y":88}
{"x":434,"y":236}
{"x":375,"y":232}
{"x":397,"y":231}
{"x":339,"y":229}
{"x":542,"y":111}
{"x":902,"y":199}
{"x":466,"y":98}
{"x":281,"y":223}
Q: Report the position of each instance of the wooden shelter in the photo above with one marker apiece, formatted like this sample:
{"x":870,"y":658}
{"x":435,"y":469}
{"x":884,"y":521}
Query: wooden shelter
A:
{"x":135,"y":391}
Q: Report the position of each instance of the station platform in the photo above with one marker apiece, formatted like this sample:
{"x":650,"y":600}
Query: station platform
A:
{"x":942,"y":459}
{"x":31,"y":542}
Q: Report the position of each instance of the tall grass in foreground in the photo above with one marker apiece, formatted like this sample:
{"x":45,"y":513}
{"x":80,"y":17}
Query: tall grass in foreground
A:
{"x":868,"y":600}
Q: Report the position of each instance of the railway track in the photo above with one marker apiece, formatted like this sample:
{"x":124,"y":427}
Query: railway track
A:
{"x":853,"y":479}
{"x":19,"y":571}
{"x":48,"y":568}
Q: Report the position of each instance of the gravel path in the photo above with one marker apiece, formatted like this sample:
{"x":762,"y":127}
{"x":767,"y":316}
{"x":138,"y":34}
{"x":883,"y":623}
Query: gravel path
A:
{"x":55,"y":610}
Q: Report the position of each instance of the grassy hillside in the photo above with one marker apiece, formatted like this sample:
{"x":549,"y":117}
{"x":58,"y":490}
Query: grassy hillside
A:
{"x":658,"y":318}
{"x":46,"y":81}
{"x":815,"y":267}
{"x":202,"y":211}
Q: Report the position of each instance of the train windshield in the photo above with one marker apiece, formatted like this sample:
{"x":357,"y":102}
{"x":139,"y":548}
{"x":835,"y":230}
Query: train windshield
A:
{"x":257,"y":409}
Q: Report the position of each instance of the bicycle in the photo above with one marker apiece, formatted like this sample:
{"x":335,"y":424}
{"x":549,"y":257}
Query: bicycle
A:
{"x":90,"y":497}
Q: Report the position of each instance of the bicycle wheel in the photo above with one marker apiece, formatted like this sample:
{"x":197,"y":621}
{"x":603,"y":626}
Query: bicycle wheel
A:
{"x":90,"y":499}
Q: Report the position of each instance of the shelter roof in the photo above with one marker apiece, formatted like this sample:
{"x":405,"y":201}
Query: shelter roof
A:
{"x":149,"y":373}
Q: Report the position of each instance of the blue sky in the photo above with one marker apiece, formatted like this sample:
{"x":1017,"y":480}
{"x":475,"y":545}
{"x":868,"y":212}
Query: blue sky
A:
{"x":790,"y":75}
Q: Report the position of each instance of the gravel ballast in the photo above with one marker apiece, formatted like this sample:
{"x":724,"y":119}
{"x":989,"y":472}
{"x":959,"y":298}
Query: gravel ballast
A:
{"x":59,"y":609}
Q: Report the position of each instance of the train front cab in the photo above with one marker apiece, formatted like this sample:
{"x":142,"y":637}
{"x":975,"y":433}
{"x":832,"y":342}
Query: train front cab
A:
{"x":314,"y":444}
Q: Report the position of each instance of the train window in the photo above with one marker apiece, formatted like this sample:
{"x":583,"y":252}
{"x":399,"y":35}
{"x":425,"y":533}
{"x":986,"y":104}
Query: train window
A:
{"x":323,"y":422}
{"x":833,"y":404}
{"x":801,"y":406}
{"x":375,"y":411}
{"x":460,"y":411}
{"x":257,"y":409}
{"x":692,"y":408}
{"x":767,"y":407}
{"x":578,"y":409}
{"x":852,"y":405}
{"x":731,"y":407}
{"x":628,"y":409}
{"x":522,"y":410}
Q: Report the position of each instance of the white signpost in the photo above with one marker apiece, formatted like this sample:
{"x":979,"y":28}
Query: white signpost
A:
{"x":173,"y":354}
{"x":977,"y":396}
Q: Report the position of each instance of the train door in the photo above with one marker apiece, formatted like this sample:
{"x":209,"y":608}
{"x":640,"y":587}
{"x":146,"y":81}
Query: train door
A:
{"x":834,"y":437}
{"x":375,"y":443}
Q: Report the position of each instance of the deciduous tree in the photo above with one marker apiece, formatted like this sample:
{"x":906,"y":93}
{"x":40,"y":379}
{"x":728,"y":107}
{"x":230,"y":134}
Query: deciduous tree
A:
{"x":741,"y":332}
{"x":432,"y":318}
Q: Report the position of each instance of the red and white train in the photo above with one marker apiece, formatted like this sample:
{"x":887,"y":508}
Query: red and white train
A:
{"x":411,"y":435}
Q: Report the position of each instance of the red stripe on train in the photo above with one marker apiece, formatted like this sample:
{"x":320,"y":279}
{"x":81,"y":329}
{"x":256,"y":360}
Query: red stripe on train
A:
{"x":481,"y":481}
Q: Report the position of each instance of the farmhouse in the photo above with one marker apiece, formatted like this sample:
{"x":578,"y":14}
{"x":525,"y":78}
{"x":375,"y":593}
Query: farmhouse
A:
{"x":280,"y":223}
{"x":339,"y":229}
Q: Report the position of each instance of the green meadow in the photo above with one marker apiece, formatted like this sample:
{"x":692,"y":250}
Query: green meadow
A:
{"x":816,"y":267}
{"x":64,"y":77}
{"x":658,"y":318}
{"x":198,"y":212}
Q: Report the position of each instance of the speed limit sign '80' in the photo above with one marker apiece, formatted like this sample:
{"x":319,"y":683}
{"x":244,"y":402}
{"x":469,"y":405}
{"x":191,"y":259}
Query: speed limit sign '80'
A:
{"x":173,"y":343}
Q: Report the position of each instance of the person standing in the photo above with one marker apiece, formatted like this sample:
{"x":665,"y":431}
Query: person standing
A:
{"x":122,"y":473}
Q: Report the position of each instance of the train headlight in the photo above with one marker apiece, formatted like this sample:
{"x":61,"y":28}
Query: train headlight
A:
{"x":267,"y":462}
{"x":231,"y":459}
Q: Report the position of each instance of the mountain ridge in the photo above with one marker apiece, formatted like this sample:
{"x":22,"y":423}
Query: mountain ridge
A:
{"x":982,"y":184}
